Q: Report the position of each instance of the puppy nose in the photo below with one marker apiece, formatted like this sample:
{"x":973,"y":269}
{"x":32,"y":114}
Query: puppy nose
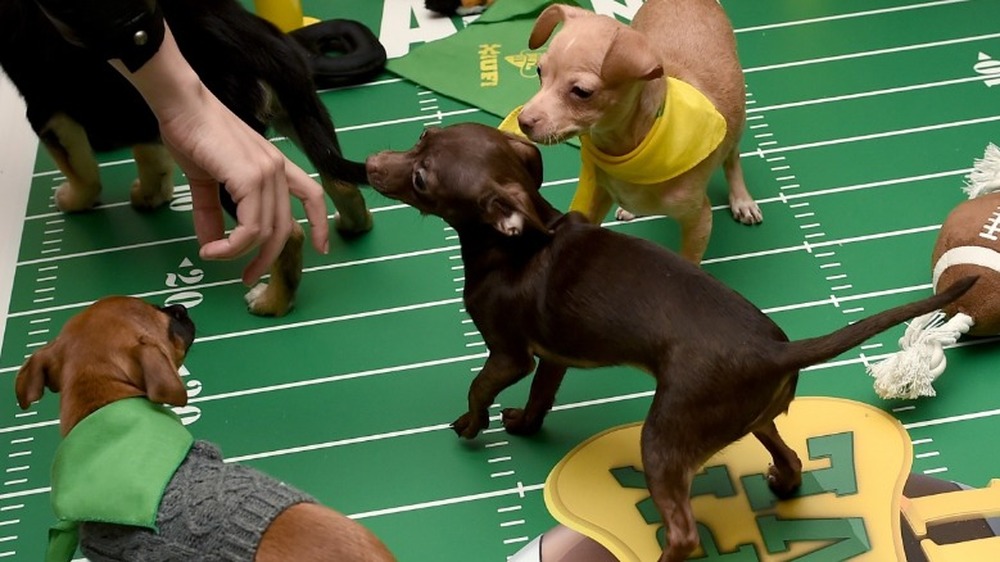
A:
{"x":526,"y":123}
{"x":371,"y":168}
{"x":178,"y":311}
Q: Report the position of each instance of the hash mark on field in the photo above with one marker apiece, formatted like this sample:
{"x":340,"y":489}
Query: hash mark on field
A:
{"x":516,"y":540}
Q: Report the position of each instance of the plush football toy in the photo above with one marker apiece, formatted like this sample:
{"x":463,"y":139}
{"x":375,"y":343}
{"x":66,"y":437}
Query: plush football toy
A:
{"x":457,"y":7}
{"x":968,"y":244}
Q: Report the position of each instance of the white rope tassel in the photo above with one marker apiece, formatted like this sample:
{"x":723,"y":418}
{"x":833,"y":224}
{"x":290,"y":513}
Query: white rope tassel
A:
{"x":910,"y":372}
{"x":985,"y":175}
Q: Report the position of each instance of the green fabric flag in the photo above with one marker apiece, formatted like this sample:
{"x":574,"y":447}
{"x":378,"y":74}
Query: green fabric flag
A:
{"x":114,"y":467}
{"x":488,"y":64}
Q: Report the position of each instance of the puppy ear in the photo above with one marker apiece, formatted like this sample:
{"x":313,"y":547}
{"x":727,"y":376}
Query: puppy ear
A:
{"x":159,"y":373}
{"x":510,"y":212}
{"x":529,"y":154}
{"x":547,"y":21}
{"x":630,"y":58}
{"x":32,"y":378}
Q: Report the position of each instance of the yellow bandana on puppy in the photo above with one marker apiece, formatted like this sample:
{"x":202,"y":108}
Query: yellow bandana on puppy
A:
{"x":685,"y":132}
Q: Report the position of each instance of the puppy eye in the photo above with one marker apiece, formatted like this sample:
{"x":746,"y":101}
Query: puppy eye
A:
{"x":418,"y":180}
{"x":581,"y":93}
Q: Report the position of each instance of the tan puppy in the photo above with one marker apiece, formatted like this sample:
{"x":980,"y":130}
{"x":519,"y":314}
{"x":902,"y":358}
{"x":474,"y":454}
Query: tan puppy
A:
{"x":121,"y":348}
{"x":606,"y":82}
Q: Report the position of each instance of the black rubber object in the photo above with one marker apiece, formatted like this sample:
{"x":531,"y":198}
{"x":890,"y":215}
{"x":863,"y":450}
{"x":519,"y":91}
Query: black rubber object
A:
{"x":360,"y":57}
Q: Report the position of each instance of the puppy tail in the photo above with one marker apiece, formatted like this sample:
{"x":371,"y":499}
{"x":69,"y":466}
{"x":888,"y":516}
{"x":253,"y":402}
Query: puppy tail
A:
{"x":803,"y":353}
{"x":308,"y":121}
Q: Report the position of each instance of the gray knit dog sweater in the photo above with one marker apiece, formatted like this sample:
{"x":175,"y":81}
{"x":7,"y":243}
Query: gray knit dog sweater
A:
{"x":211,"y":512}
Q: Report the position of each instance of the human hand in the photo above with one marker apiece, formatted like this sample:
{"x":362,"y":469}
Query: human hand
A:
{"x":214,"y":146}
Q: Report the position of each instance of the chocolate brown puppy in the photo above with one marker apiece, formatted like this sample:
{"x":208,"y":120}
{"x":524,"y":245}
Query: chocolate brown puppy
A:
{"x":543,"y":284}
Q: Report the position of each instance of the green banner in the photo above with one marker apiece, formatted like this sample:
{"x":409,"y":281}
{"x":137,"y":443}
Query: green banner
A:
{"x":487,"y":65}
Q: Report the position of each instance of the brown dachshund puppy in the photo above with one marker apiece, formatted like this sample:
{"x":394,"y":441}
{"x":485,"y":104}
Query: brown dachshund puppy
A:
{"x":540,"y":283}
{"x":121,"y":348}
{"x":659,"y":106}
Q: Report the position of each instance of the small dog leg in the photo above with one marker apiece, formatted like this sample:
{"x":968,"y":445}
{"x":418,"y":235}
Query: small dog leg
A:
{"x":623,"y":215}
{"x":67,"y":143}
{"x":542,"y":396}
{"x":741,"y":203}
{"x":696,"y":228}
{"x":498,"y":373}
{"x":275,"y":298}
{"x":595,"y":207}
{"x":352,"y":215}
{"x":669,"y":474}
{"x":155,"y":184}
{"x":785,"y":475}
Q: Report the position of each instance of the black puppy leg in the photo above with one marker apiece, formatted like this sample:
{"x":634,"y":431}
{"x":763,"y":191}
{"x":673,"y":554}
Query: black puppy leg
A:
{"x":155,"y":184}
{"x":276,"y":297}
{"x":544,"y":385}
{"x":785,"y":475}
{"x":312,"y":130}
{"x":70,"y":148}
{"x":669,"y":473}
{"x":498,"y":373}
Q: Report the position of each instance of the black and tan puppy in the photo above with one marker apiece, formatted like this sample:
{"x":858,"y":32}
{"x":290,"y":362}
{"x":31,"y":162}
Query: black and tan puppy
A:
{"x":540,"y":283}
{"x":78,"y":104}
{"x":113,"y":365}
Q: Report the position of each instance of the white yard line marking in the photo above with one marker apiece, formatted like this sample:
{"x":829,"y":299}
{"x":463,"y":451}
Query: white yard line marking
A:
{"x":859,"y":95}
{"x":343,"y":377}
{"x":952,"y":419}
{"x":330,"y":320}
{"x":851,"y":15}
{"x":873,"y":136}
{"x":519,"y":491}
{"x":873,"y":53}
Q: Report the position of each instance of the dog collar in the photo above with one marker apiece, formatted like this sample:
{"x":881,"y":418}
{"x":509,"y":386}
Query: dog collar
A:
{"x":685,"y":132}
{"x":113,"y":467}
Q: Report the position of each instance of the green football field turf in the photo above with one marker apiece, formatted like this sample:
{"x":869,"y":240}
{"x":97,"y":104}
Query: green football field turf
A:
{"x":864,"y":116}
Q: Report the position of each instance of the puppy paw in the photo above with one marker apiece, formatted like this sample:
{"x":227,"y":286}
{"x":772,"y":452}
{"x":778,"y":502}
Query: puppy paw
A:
{"x":516,"y":422}
{"x":348,"y":227}
{"x":468,"y":426}
{"x":746,"y":211}
{"x":783,"y":484}
{"x":144,"y":199}
{"x":623,"y":215}
{"x":263,"y":300}
{"x":70,"y":198}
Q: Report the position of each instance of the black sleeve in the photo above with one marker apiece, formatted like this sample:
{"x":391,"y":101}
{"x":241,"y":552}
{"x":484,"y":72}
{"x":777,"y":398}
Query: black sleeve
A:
{"x":130,"y":30}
